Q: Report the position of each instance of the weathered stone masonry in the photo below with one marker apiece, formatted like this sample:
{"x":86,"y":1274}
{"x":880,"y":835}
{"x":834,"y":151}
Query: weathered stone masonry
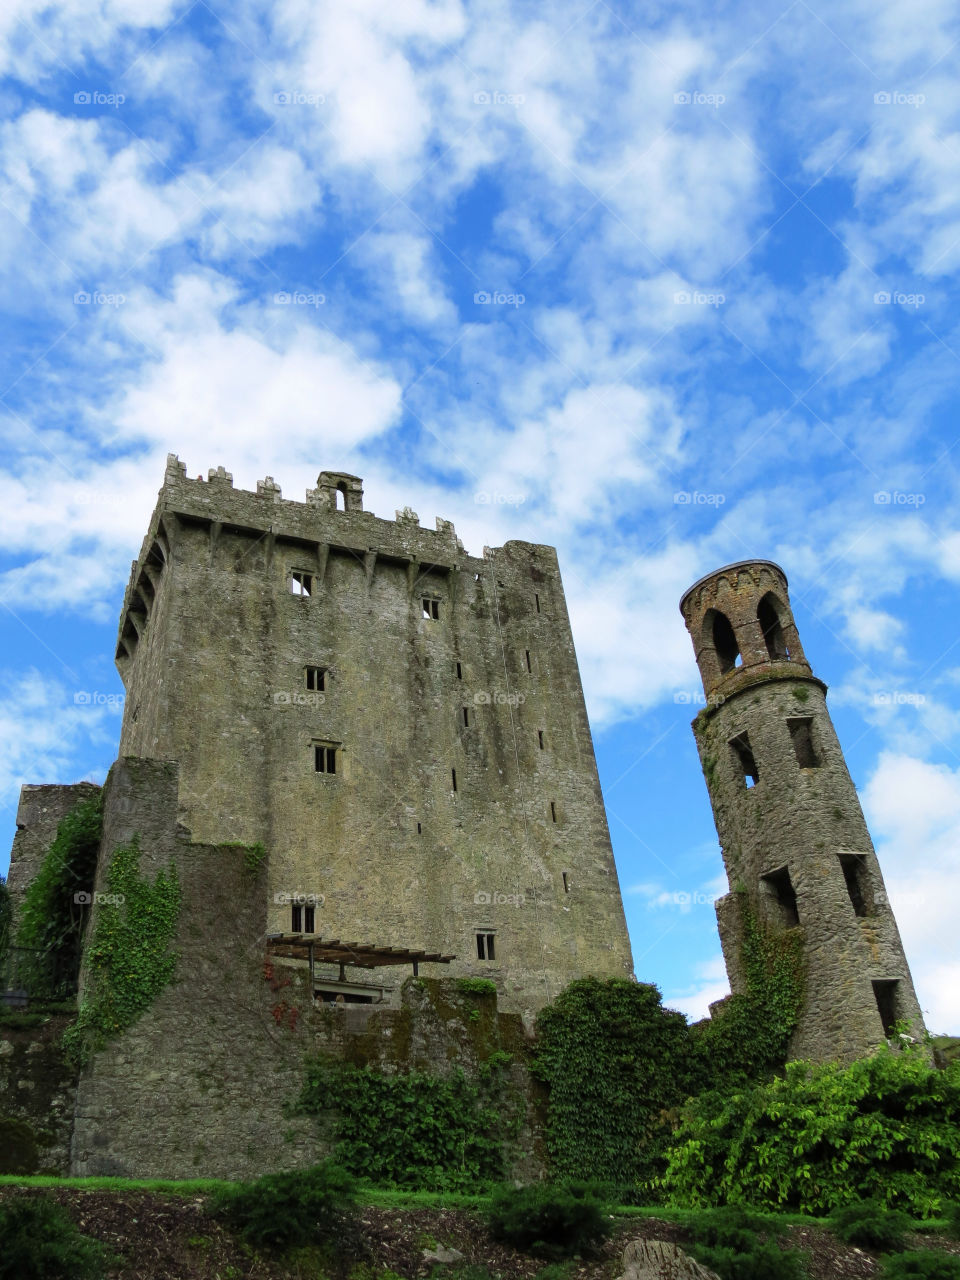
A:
{"x":440,"y":688}
{"x":795,"y":844}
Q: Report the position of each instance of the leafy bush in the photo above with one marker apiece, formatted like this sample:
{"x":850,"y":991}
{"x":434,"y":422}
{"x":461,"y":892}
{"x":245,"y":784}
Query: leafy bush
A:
{"x":923,"y":1264}
{"x":40,"y":1241}
{"x":289,"y":1210}
{"x":616,"y":1063}
{"x":871,"y":1225}
{"x":762,"y":1261}
{"x":951,"y":1212}
{"x":727,"y":1240}
{"x":437,"y":1133}
{"x":552,"y":1221}
{"x":885,"y":1127}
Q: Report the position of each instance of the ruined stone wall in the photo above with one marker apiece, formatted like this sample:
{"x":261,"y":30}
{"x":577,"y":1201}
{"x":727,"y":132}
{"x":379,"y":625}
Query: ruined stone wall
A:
{"x":215,"y":676}
{"x":37,"y":1092}
{"x":38,"y":816}
{"x":798,"y":828}
{"x":200,"y":1085}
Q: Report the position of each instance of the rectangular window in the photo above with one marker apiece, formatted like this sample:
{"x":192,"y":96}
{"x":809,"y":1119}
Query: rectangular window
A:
{"x":540,"y":738}
{"x":453,"y":775}
{"x":886,"y":994}
{"x":779,"y":889}
{"x":431,"y":607}
{"x":485,"y":948}
{"x":858,"y":885}
{"x":801,"y":734}
{"x":537,"y":599}
{"x":527,"y":656}
{"x":316,"y":679}
{"x":301,"y":584}
{"x":466,"y":716}
{"x":459,"y":671}
{"x":744,"y":754}
{"x":296,"y":918}
{"x":566,"y":885}
{"x":419,"y":829}
{"x":553,"y":811}
{"x":325,"y":757}
{"x":309,"y":921}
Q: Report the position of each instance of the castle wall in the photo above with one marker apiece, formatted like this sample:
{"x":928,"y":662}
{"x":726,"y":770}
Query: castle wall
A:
{"x":38,"y":815}
{"x":216,"y":681}
{"x":199,"y":1085}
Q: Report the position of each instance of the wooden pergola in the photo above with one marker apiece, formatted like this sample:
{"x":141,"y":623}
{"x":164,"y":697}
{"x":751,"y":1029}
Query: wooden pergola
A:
{"x":312,"y":947}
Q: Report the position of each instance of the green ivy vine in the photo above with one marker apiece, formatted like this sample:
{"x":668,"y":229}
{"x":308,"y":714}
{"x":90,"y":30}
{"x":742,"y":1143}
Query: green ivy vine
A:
{"x":441,"y":1133}
{"x":129,"y":956}
{"x":51,"y":919}
{"x":750,"y":1036}
{"x":616,"y":1064}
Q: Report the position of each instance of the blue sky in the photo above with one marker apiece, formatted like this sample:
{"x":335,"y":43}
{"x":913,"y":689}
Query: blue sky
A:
{"x":664,"y":287}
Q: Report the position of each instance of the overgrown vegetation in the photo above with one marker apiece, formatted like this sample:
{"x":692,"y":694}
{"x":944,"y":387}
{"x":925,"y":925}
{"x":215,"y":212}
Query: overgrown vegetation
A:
{"x":40,"y":1241}
{"x":751,"y":1035}
{"x":615,"y":1062}
{"x":618,"y":1065}
{"x":737,"y":1245}
{"x":51,"y":917}
{"x":871,"y":1224}
{"x":547,"y":1220}
{"x":284,"y":1211}
{"x":885,"y":1128}
{"x":129,"y":955}
{"x":5,"y":921}
{"x":922,"y":1264}
{"x":441,"y":1133}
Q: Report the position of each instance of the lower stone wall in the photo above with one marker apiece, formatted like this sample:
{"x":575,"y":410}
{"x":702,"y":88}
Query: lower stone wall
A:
{"x":37,"y":1091}
{"x":201,"y":1084}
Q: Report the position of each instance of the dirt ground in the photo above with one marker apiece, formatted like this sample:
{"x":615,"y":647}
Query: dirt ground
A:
{"x":165,"y":1237}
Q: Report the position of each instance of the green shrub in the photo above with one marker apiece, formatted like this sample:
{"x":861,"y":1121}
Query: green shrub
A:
{"x":922,"y":1264}
{"x":951,"y":1213}
{"x":290,"y":1210}
{"x":727,"y":1240}
{"x":885,"y":1127}
{"x":762,"y":1261}
{"x":40,"y":1241}
{"x":731,"y":1227}
{"x":616,"y":1064}
{"x":870,"y":1224}
{"x":552,"y":1221}
{"x":434,"y":1133}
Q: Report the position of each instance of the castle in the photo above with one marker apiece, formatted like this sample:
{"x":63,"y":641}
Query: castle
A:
{"x":366,"y":754}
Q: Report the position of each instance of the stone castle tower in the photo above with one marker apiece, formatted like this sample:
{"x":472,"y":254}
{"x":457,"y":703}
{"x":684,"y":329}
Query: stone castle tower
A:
{"x":400,"y":724}
{"x":794,"y":841}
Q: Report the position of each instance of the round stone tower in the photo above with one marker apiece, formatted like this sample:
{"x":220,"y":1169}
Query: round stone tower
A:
{"x":795,"y":844}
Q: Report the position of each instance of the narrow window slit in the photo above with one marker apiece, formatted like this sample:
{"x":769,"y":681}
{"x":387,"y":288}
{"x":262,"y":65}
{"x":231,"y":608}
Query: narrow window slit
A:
{"x":745,"y":759}
{"x":782,"y":896}
{"x":801,"y":734}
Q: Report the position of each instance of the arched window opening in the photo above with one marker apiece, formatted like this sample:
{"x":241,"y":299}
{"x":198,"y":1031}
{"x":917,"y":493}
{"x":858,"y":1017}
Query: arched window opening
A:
{"x":725,"y":644}
{"x":341,"y":498}
{"x":768,"y":615}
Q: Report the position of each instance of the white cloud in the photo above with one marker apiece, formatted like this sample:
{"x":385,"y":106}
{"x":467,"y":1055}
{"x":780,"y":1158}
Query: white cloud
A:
{"x":694,"y":1000}
{"x":913,"y":809}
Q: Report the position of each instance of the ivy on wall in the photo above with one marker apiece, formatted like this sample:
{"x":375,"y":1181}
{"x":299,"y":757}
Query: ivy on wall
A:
{"x":129,"y":956}
{"x":51,"y":919}
{"x":750,"y":1036}
{"x":619,"y":1066}
{"x":615,"y":1062}
{"x":441,"y":1133}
